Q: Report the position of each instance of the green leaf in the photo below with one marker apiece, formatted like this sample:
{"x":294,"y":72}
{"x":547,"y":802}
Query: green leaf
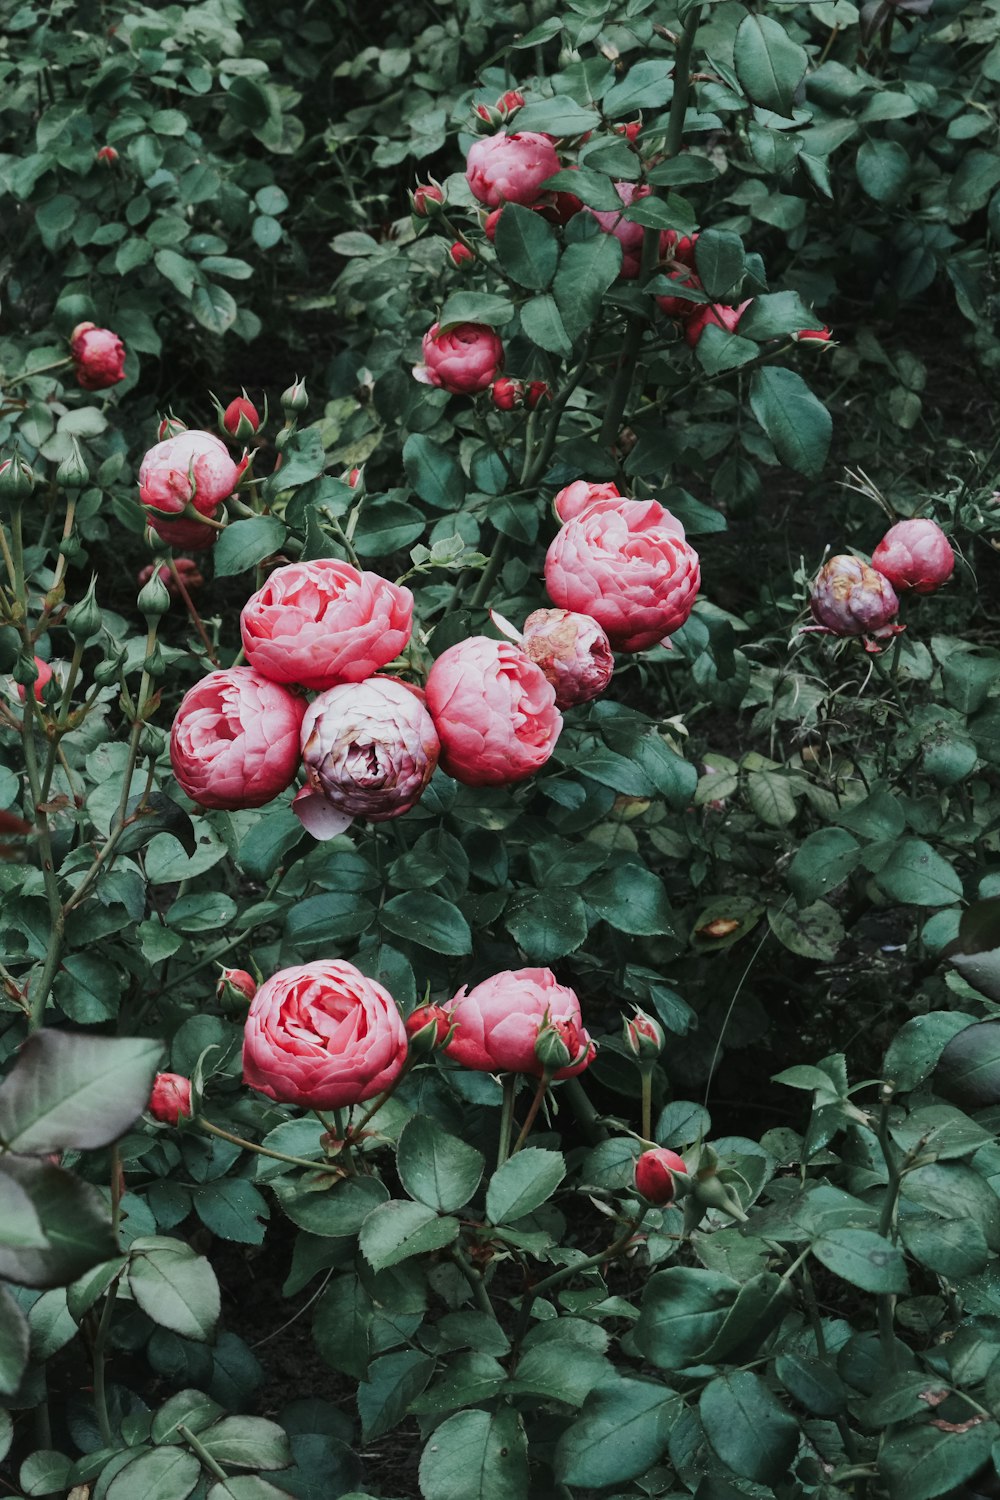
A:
{"x":14,"y":1340}
{"x":824,"y":860}
{"x":647,"y":85}
{"x":433,"y":471}
{"x":250,"y":1486}
{"x":550,"y":1371}
{"x":863,"y":1258}
{"x":815,"y":931}
{"x":397,"y":1230}
{"x":797,"y":423}
{"x":233,"y":1209}
{"x":916,"y":875}
{"x":775,"y":315}
{"x":748,"y":1427}
{"x":975,"y":952}
{"x":76,"y":1220}
{"x":920,"y":1463}
{"x":429,"y":920}
{"x":951,"y":1247}
{"x":342,"y":1327}
{"x":541,"y":323}
{"x":811,"y":1382}
{"x":158,"y":1474}
{"x":914,"y":1050}
{"x":769,"y":65}
{"x":883,"y":168}
{"x":387,"y":526}
{"x":476,"y":1455}
{"x":969,"y":1068}
{"x":190,"y":1408}
{"x":436,"y":1168}
{"x":174,"y":1286}
{"x":546,"y":925}
{"x":178,"y":270}
{"x":682,"y":1311}
{"x":622,"y":1430}
{"x":392,"y":1383}
{"x":476,"y":307}
{"x":68,"y":1090}
{"x":244,"y":544}
{"x":719,"y":260}
{"x":336,"y":1212}
{"x":586,"y":270}
{"x":527,"y":247}
{"x":523,"y":1184}
{"x":632,"y":899}
{"x":247,"y":1443}
{"x":596,"y":189}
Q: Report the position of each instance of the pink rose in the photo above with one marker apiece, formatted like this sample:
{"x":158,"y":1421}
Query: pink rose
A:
{"x":425,"y":194}
{"x":506,"y":168}
{"x":679,"y":252}
{"x":915,"y":555}
{"x":191,"y":468}
{"x":629,"y":568}
{"x":323,"y":622}
{"x":581,"y":495}
{"x":322,"y":1036}
{"x":628,"y":235}
{"x":369,"y":749}
{"x":235,"y":739}
{"x":463,"y":359}
{"x":497,"y":1023}
{"x":494,"y":712}
{"x":654,"y":1174}
{"x":99,"y":357}
{"x":507,"y":394}
{"x":170,"y":1098}
{"x":573,"y":652}
{"x":850,"y":598}
{"x":715,"y":313}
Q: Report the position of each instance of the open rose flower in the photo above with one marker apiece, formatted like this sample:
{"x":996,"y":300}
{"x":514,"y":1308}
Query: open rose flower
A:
{"x":629,"y":568}
{"x":850,"y":598}
{"x":915,"y":555}
{"x":323,"y":622}
{"x":581,"y":495}
{"x":322,"y":1036}
{"x":98,"y":355}
{"x":235,"y":739}
{"x":573,"y":652}
{"x":170,"y":1098}
{"x":192,"y":468}
{"x":462,"y":359}
{"x":498,"y":1022}
{"x":369,"y":750}
{"x":506,"y":168}
{"x":494,"y":711}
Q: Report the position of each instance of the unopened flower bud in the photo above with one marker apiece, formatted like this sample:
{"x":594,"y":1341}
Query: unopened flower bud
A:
{"x":425,"y":198}
{"x":460,"y":255}
{"x":33,"y":672}
{"x":353,"y":478}
{"x":170,"y":426}
{"x":17,"y":481}
{"x":236,"y":987}
{"x":644,"y":1037}
{"x":537,"y":390}
{"x":813,"y":336}
{"x":428,"y":1028}
{"x":295,"y":398}
{"x":72,"y":473}
{"x":507,"y":394}
{"x":107,"y":156}
{"x":170,"y":1098}
{"x":240,"y":420}
{"x":152,"y":742}
{"x":85,"y":618}
{"x":655,"y":1172}
{"x":711,"y":1192}
{"x":154,"y":600}
{"x":155,"y":664}
{"x":107,"y":672}
{"x":552,"y":1049}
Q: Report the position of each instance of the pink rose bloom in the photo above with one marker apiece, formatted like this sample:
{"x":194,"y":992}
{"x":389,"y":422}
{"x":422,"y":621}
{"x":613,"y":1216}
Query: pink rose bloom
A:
{"x":573,"y":652}
{"x":713,"y":312}
{"x":235,"y":739}
{"x":323,"y":622}
{"x":579,"y":496}
{"x":915,"y":555}
{"x":464,"y":359}
{"x":170,"y":1098}
{"x":494,"y":711}
{"x":850,"y":598}
{"x":628,"y":235}
{"x":629,"y":568}
{"x":497,"y":1023}
{"x":192,"y":468}
{"x":99,"y":357}
{"x":506,"y":168}
{"x":369,"y":749}
{"x":322,"y":1036}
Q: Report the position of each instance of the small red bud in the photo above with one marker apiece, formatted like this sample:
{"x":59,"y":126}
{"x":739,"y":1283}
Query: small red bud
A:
{"x":654,"y":1174}
{"x":107,"y":156}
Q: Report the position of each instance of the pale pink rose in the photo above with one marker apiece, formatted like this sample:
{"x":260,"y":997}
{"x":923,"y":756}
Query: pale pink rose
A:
{"x":494,"y":711}
{"x":629,"y":568}
{"x":579,"y":496}
{"x":506,"y":168}
{"x":368,"y":749}
{"x":99,"y":357}
{"x":915,"y":555}
{"x":323,"y":622}
{"x":628,"y":235}
{"x":170,"y":1098}
{"x":190,"y":468}
{"x":850,"y":598}
{"x":464,"y":359}
{"x":497,"y":1023}
{"x":235,"y":739}
{"x":322,"y":1036}
{"x":573,"y":652}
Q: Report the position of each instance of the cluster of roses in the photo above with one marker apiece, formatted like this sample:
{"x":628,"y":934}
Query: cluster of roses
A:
{"x":621,"y":574}
{"x":851,"y":598}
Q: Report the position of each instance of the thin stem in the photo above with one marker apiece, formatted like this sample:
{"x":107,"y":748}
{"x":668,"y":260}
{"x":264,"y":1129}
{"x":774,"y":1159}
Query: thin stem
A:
{"x":98,"y":1359}
{"x":476,"y":1283}
{"x":239,"y":1140}
{"x":536,"y":1104}
{"x":60,"y":364}
{"x":193,"y":612}
{"x":587,"y":1116}
{"x":202,"y":1454}
{"x":647,"y":1104}
{"x":506,"y":1117}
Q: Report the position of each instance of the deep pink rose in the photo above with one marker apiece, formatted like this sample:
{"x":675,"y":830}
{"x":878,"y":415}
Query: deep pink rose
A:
{"x":715,"y":313}
{"x":369,"y":749}
{"x":170,"y":1098}
{"x":235,"y":739}
{"x":322,"y":1036}
{"x":581,"y":495}
{"x":573,"y":652}
{"x":506,"y":168}
{"x":628,"y":235}
{"x":494,"y":711}
{"x":629,"y":568}
{"x":850,"y":598}
{"x":915,"y":555}
{"x":99,"y":357}
{"x":654,"y":1174}
{"x":241,"y":419}
{"x":323,"y":622}
{"x":497,"y":1023}
{"x":464,"y":359}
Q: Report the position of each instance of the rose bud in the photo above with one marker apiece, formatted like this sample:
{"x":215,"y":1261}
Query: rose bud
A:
{"x":679,"y":250}
{"x":490,"y":224}
{"x":560,"y":1046}
{"x":193,"y":468}
{"x":170,"y":426}
{"x":507,"y":105}
{"x":497,"y":1024}
{"x":99,"y":357}
{"x":714,"y":313}
{"x":424,"y":197}
{"x":581,"y":495}
{"x":460,"y":255}
{"x":107,"y":156}
{"x":17,"y":480}
{"x":654,"y":1174}
{"x":629,"y":568}
{"x":915,"y":555}
{"x":353,"y":478}
{"x":850,"y":598}
{"x":43,"y":675}
{"x":170,"y":1098}
{"x":573,"y":652}
{"x":506,"y":168}
{"x":428,"y":1028}
{"x":324,"y":622}
{"x":186,"y":567}
{"x":463,"y":359}
{"x":629,"y":131}
{"x":507,"y":393}
{"x":628,"y":235}
{"x":368,"y":749}
{"x":813,"y":336}
{"x":537,"y":390}
{"x":235,"y":739}
{"x":72,"y":473}
{"x":236,"y":986}
{"x":644,"y":1037}
{"x":322,"y":1036}
{"x":494,"y":712}
{"x":240,"y":419}
{"x":295,"y":399}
